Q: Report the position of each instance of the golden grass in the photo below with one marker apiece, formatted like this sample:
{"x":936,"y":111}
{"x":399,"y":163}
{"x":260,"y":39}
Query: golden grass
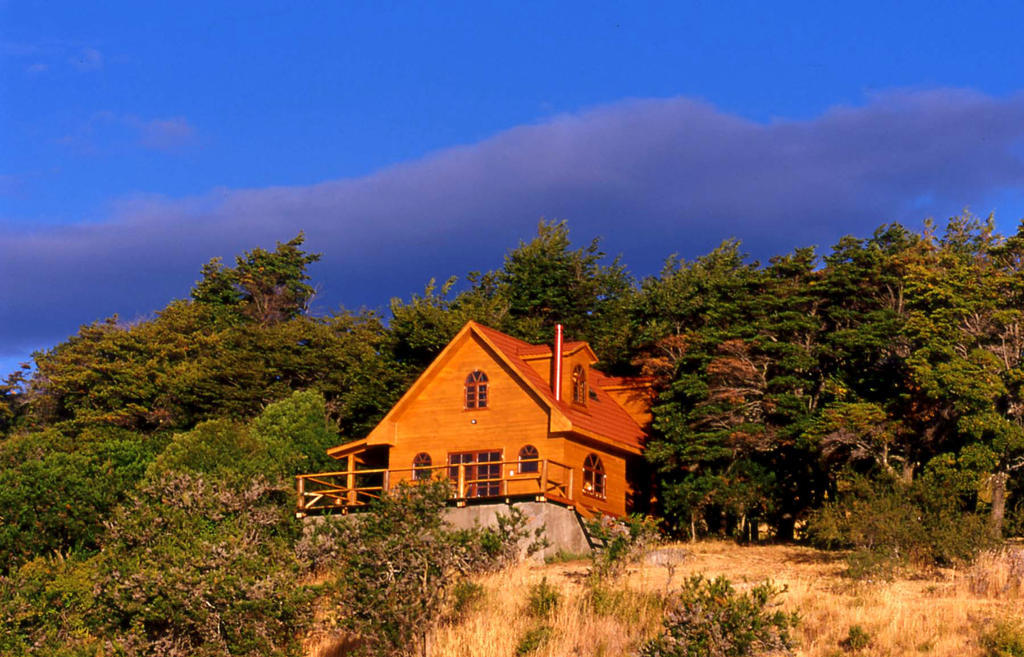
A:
{"x":498,"y":625}
{"x":940,"y":615}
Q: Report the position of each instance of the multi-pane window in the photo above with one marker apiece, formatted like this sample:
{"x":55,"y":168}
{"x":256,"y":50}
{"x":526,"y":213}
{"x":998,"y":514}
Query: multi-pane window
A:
{"x":421,"y":466}
{"x":476,"y":390}
{"x":481,"y":472}
{"x":579,"y":385}
{"x":593,"y":476}
{"x":528,"y":456}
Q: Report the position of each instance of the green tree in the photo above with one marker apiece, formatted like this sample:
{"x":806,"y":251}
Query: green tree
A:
{"x":546,"y":282}
{"x":968,"y":354}
{"x":266,"y":287}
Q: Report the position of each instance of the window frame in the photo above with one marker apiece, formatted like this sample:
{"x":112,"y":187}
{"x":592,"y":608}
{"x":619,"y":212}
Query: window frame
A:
{"x":579,"y":385}
{"x":476,"y":394}
{"x":532,"y":462}
{"x":483,"y":471}
{"x":420,"y":469}
{"x":595,"y":477}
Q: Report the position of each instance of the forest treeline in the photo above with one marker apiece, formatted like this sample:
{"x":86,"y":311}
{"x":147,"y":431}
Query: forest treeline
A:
{"x":897,"y":357}
{"x":868,"y":395}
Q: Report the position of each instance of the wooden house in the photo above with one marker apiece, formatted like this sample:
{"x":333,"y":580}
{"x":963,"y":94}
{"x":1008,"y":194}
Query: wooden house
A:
{"x":501,"y":419}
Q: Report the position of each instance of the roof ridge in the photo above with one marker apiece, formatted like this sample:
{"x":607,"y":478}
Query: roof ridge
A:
{"x":607,"y":419}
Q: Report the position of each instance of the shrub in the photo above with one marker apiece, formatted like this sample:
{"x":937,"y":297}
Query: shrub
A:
{"x":888,"y":524}
{"x":289,"y":437}
{"x":192,"y":566}
{"x":397,"y":565}
{"x":509,"y":539}
{"x":215,"y":447}
{"x":533,"y":640}
{"x":711,"y":619}
{"x":1004,"y":639}
{"x":542,"y":600}
{"x":856,"y":639}
{"x":467,"y":595}
{"x":55,"y":503}
{"x":297,"y":432}
{"x":621,"y":543}
{"x":56,"y":492}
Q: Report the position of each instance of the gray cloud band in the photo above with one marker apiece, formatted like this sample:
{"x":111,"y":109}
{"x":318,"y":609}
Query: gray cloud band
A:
{"x":652,"y":177}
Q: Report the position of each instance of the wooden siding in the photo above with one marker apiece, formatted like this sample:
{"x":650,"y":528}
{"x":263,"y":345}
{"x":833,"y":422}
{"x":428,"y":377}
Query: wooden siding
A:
{"x":614,"y":502}
{"x":432,"y":418}
{"x":438,"y":423}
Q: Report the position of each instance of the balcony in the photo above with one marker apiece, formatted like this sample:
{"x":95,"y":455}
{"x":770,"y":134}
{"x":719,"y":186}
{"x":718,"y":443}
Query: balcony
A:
{"x":352,"y":489}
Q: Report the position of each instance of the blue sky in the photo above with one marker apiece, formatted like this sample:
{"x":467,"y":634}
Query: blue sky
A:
{"x":413,"y":141}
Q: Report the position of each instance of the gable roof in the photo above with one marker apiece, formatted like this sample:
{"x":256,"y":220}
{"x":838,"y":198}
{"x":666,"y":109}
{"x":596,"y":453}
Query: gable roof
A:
{"x":601,"y":418}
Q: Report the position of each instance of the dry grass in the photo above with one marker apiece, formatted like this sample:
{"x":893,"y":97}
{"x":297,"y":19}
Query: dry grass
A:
{"x":504,"y":618}
{"x":940,"y":615}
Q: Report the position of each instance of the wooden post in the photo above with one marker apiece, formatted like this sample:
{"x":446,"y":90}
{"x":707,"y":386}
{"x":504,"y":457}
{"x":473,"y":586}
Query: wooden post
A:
{"x":350,"y":480}
{"x":462,"y":481}
{"x":572,"y":471}
{"x":544,"y":477}
{"x":301,"y":501}
{"x":386,"y":486}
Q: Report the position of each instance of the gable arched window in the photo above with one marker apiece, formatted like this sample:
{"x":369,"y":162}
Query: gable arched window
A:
{"x":421,"y":466}
{"x":476,"y":390}
{"x":579,"y":385}
{"x":528,"y":456}
{"x":593,"y":476}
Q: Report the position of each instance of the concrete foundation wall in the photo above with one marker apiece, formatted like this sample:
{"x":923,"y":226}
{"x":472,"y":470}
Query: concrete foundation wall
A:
{"x":562,"y":527}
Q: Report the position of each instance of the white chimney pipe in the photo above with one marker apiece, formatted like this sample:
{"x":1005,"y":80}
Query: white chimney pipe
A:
{"x":556,"y":380}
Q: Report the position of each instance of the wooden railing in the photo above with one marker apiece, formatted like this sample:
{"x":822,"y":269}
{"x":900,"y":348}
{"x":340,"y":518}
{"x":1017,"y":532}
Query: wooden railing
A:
{"x":351,"y":489}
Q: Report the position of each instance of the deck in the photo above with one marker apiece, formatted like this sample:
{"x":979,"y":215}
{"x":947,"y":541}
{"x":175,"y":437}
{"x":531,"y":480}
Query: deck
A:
{"x":344,"y":491}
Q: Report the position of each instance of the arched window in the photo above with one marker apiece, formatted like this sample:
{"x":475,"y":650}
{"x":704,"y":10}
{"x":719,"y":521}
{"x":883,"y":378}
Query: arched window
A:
{"x":476,"y":390}
{"x":593,"y":476}
{"x":579,"y":385}
{"x":528,"y":456}
{"x":421,"y":464}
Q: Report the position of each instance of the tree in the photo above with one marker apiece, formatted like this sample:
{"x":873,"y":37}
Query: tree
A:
{"x":688,"y":312}
{"x":968,"y":348}
{"x":266,"y":287}
{"x":12,"y":398}
{"x":545,"y":282}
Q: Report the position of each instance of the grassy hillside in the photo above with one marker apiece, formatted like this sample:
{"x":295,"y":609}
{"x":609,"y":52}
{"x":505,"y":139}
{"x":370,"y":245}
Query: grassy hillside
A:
{"x":946,"y":613}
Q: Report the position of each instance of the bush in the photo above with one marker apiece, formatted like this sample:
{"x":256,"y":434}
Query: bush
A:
{"x":288,"y":438}
{"x":542,"y":600}
{"x":55,"y":492}
{"x":297,"y":432}
{"x":622,"y":543}
{"x":398,"y":563}
{"x":56,"y":503}
{"x":466,"y":596}
{"x":1004,"y":639}
{"x":856,"y":639}
{"x":533,"y":640}
{"x":510,"y":539}
{"x":710,"y":619}
{"x":192,"y":566}
{"x":888,"y":524}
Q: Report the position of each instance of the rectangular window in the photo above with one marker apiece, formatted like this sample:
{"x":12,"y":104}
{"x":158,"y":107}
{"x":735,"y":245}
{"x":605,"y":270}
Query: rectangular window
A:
{"x":482,"y":472}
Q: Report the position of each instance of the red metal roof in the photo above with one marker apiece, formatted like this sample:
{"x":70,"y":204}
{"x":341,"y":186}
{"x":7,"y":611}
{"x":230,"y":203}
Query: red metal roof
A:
{"x":603,"y":416}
